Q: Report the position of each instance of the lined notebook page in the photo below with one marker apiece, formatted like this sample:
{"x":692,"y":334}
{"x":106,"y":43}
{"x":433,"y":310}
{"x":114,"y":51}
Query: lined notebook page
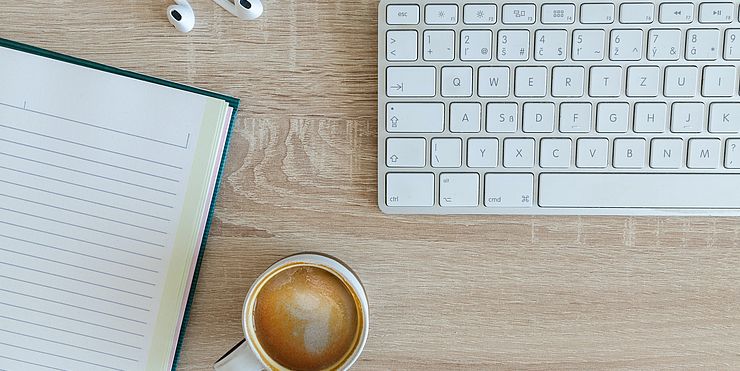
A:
{"x":94,"y":172}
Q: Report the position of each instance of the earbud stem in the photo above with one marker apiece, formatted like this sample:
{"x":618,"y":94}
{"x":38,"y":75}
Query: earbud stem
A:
{"x":229,"y":6}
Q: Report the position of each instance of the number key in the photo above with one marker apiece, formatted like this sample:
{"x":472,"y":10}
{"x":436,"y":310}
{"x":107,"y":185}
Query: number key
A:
{"x":732,"y":44}
{"x":626,"y":45}
{"x":664,"y":45}
{"x":475,"y":45}
{"x":702,"y":44}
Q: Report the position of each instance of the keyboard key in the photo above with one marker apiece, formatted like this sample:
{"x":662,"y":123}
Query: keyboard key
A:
{"x":550,"y":45}
{"x":555,"y":153}
{"x":732,"y":44}
{"x":664,"y":45}
{"x":457,"y":81}
{"x":501,"y":117}
{"x":493,"y":81}
{"x":643,"y":81}
{"x":592,"y":152}
{"x":687,"y":117}
{"x":636,"y":13}
{"x":538,"y":118}
{"x":732,"y":154}
{"x":465,"y":117}
{"x":405,"y":152}
{"x":666,"y":153}
{"x":612,"y":117}
{"x":676,"y":13}
{"x":476,"y":45}
{"x":629,"y":153}
{"x":716,"y":12}
{"x":518,"y":14}
{"x":482,"y":152}
{"x":575,"y":117}
{"x":401,"y":46}
{"x":479,"y":14}
{"x":458,"y":189}
{"x":650,"y":117}
{"x":513,"y":45}
{"x":597,"y":13}
{"x":509,"y":190}
{"x":605,"y":81}
{"x":681,"y":81}
{"x":402,"y":14}
{"x":409,"y":189}
{"x":558,"y":13}
{"x":415,"y":117}
{"x":519,"y":152}
{"x":588,"y":45}
{"x":439,"y":45}
{"x":446,"y":152}
{"x":724,"y":117}
{"x":704,"y":153}
{"x":626,"y":45}
{"x":719,"y":81}
{"x":567,"y":81}
{"x":441,"y":14}
{"x":697,"y":191}
{"x":530,"y":81}
{"x":411,"y":81}
{"x":702,"y":44}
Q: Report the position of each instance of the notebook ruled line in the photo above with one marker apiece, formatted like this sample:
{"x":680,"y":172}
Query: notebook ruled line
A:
{"x":93,"y":147}
{"x":82,"y":199}
{"x":74,"y":306}
{"x":61,"y":356}
{"x":75,"y":279}
{"x":85,"y":186}
{"x":69,"y":345}
{"x":93,"y":125}
{"x":80,"y":254}
{"x":70,"y":331}
{"x":76,"y":266}
{"x":82,"y":227}
{"x":31,"y":363}
{"x":74,"y":292}
{"x":71,"y":319}
{"x":81,"y":172}
{"x":83,"y":213}
{"x":80,"y":240}
{"x":90,"y":160}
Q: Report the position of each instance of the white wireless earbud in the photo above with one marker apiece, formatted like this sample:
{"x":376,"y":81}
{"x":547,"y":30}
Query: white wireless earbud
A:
{"x":244,"y":9}
{"x":181,"y":16}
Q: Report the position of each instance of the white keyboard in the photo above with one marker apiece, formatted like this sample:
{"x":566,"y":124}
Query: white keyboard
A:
{"x":547,"y":107}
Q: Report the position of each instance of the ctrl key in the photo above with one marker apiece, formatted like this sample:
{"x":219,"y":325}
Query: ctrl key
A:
{"x":509,"y":190}
{"x":409,"y":189}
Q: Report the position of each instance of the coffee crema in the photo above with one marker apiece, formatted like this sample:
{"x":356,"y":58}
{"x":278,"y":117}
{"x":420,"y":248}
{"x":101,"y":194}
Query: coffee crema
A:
{"x":306,"y":318}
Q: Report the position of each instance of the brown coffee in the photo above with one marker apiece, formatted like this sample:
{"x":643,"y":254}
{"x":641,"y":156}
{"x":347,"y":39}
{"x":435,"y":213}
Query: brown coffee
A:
{"x":306,"y":318}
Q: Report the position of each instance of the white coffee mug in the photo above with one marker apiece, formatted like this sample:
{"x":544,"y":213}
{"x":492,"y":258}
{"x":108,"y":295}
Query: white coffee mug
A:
{"x":249,"y":354}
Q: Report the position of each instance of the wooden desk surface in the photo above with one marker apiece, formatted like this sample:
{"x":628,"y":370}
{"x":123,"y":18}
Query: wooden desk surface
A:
{"x":445,"y":292}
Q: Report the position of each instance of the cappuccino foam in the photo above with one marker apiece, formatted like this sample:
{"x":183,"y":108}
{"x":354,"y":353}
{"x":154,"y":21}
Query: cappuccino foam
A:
{"x":306,"y":318}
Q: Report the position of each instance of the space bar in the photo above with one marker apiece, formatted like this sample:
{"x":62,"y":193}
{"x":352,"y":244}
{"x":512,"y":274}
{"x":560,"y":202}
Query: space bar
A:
{"x":687,"y":191}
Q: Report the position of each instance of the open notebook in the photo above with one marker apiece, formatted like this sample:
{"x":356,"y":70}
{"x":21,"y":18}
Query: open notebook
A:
{"x":107,"y":182}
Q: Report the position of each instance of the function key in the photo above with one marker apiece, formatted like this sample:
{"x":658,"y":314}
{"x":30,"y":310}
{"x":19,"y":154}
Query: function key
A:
{"x":597,"y":13}
{"x":518,"y":14}
{"x":636,"y":13}
{"x":479,"y":14}
{"x":441,"y":14}
{"x":716,"y":12}
{"x":676,"y":13}
{"x":402,"y":14}
{"x":558,"y":13}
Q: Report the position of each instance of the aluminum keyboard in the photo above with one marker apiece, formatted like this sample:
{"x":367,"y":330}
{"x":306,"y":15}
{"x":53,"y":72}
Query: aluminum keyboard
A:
{"x":540,"y":107}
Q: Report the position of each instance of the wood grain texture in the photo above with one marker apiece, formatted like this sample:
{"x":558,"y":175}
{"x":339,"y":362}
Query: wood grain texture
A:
{"x":445,"y":292}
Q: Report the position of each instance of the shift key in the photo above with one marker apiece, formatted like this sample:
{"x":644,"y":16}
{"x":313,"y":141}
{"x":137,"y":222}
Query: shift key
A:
{"x":410,"y":81}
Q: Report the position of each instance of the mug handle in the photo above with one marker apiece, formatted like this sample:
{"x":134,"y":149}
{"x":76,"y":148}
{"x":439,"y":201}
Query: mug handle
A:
{"x":239,"y":358}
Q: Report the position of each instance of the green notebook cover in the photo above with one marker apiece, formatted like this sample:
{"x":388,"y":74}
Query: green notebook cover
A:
{"x":233,"y":103}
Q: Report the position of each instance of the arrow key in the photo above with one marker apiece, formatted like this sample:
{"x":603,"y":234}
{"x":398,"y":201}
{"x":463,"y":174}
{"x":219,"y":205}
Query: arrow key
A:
{"x":405,"y":152}
{"x":401,"y":46}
